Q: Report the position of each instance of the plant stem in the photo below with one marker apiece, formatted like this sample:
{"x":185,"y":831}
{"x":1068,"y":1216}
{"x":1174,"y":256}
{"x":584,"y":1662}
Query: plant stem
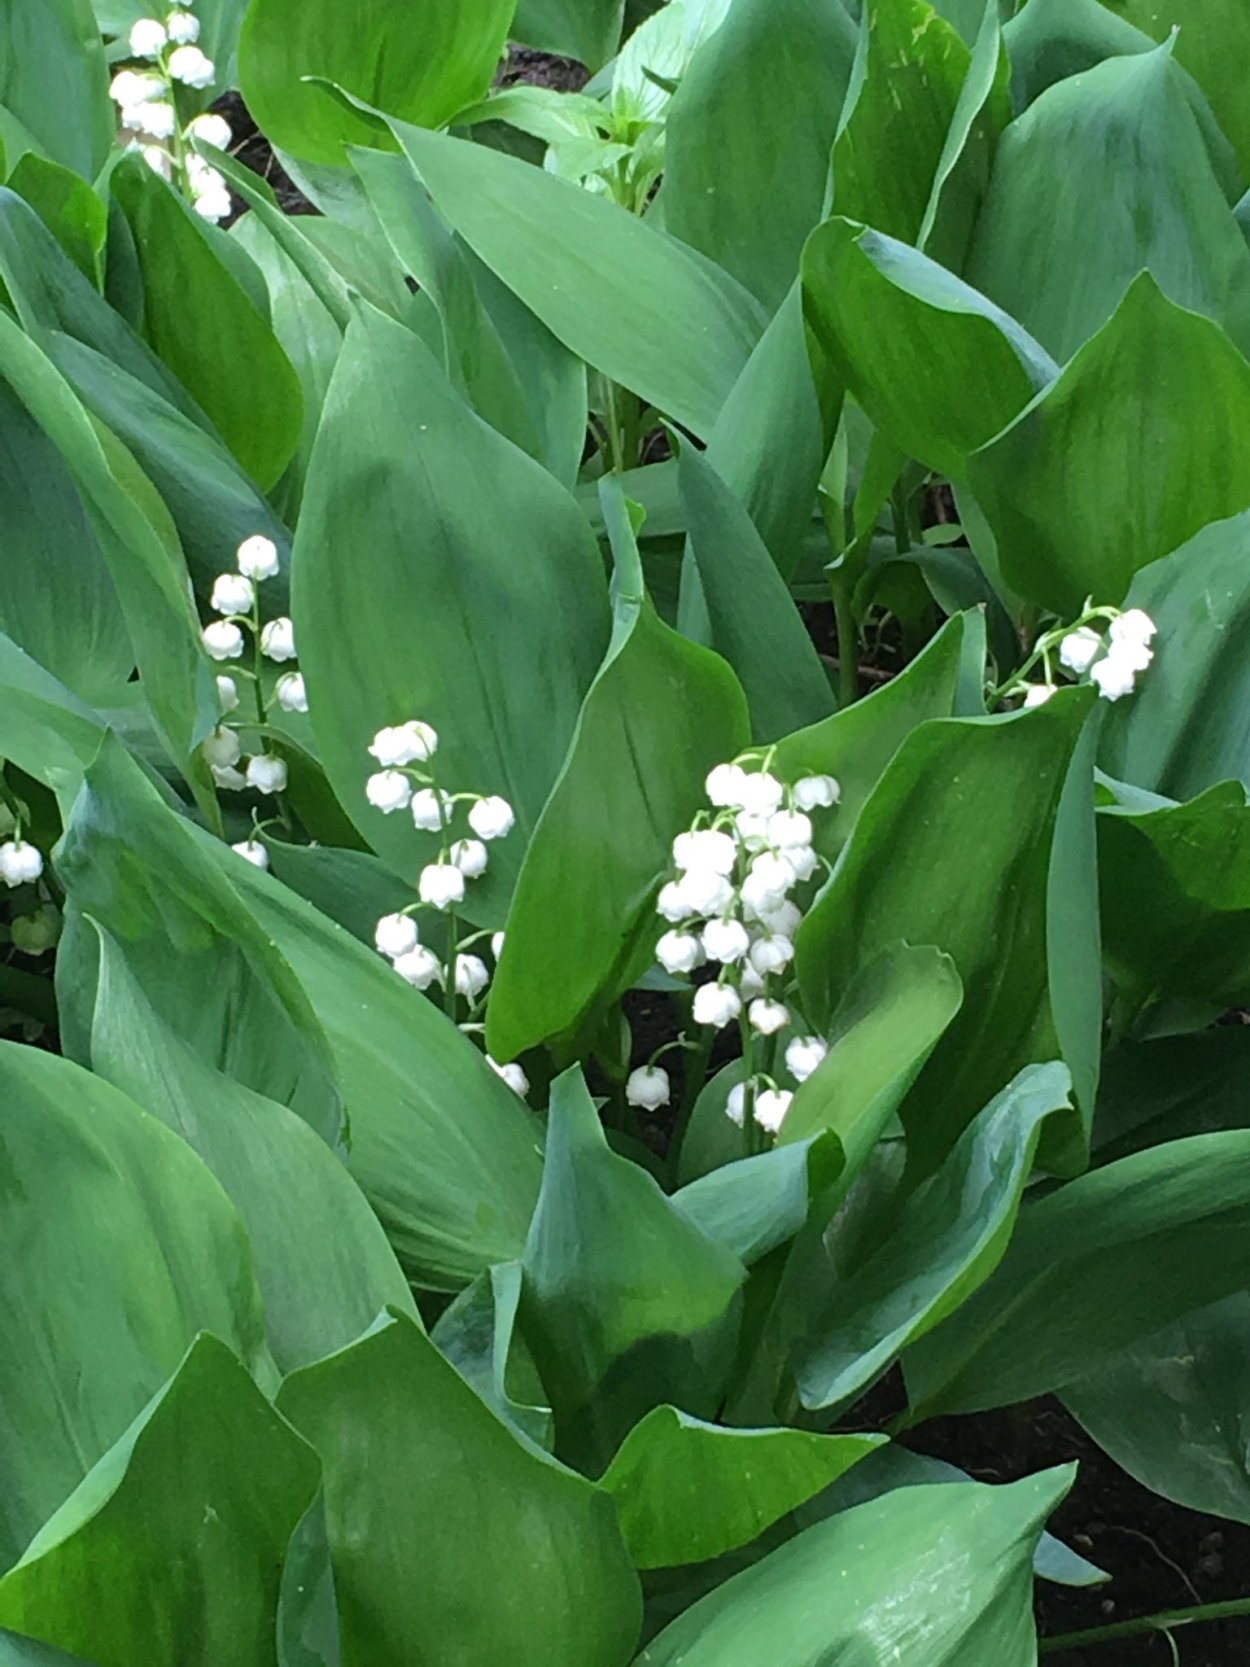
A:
{"x":1146,"y":1623}
{"x":449,"y":983}
{"x":616,"y":431}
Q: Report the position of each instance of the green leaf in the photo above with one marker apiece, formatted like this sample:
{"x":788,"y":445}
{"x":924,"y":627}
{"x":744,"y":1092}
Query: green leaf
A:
{"x":613,"y":289}
{"x":1118,"y":145}
{"x":626,"y":1302}
{"x":1172,"y":1086}
{"x":909,"y":59}
{"x":748,"y":137}
{"x":936,"y":1574}
{"x":477,"y":1334}
{"x":204,"y":326}
{"x":933,"y":1250}
{"x":687,"y":1491}
{"x":936,"y":366}
{"x":68,"y":206}
{"x":44,"y":729}
{"x":323,"y":1264}
{"x":588,"y":30}
{"x":421,"y":63}
{"x":1104,"y":1261}
{"x":465,"y":595}
{"x":1049,"y":40}
{"x":1110,"y":441}
{"x":394,"y":1423}
{"x":54,"y":81}
{"x":25,"y":1652}
{"x":170,"y":1550}
{"x":1182,"y":731}
{"x":119,"y":1247}
{"x":756,"y":1203}
{"x":660,"y":713}
{"x":1170,"y":1409}
{"x":993,"y":786}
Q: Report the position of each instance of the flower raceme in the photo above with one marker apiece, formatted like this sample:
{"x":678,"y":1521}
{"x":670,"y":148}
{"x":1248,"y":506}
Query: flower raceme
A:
{"x":1113,"y":662}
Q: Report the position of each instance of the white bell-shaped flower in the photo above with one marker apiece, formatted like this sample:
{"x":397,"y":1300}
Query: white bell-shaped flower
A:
{"x":768,"y":1017}
{"x":212,"y":201}
{"x":496,"y":944}
{"x":716,"y":1005}
{"x":159,"y":160}
{"x":679,"y":952}
{"x":752,"y":829}
{"x":706,"y":849}
{"x":513,"y":1075}
{"x":470,"y":857}
{"x":257,"y":556}
{"x":148,"y":38}
{"x":724,"y":785}
{"x":1134,"y":626}
{"x":816,"y":792}
{"x":227,"y":693}
{"x":672,"y":902}
{"x":223,"y":639}
{"x":771,"y":877}
{"x":771,"y":1106}
{"x":803,"y":1055}
{"x":183,"y":28}
{"x":228,"y":778}
{"x":771,"y":953}
{"x":441,"y":884}
{"x":20,"y":862}
{"x":429,"y":806}
{"x":130,"y":87}
{"x":156,"y":117}
{"x":266,"y":773}
{"x":803,"y":860}
{"x":472,"y":976}
{"x":736,"y":1104}
{"x":251,"y":850}
{"x":222,"y":747}
{"x":1079,"y":649}
{"x":277,"y":639}
{"x":1037,"y":695}
{"x":783,"y":918}
{"x":726,"y":940}
{"x":396,"y":935}
{"x":213,"y":130}
{"x":787,"y":828}
{"x":291,"y":692}
{"x":388,"y":790}
{"x":647,"y":1087}
{"x":750,"y":984}
{"x":233,"y":593}
{"x":761,"y":792}
{"x":419,"y":967}
{"x":704,"y":891}
{"x":1114,"y":676}
{"x":411,"y":743}
{"x":189,"y":65}
{"x":492,"y":817}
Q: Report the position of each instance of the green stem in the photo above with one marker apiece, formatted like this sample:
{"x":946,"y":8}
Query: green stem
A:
{"x":616,"y":431}
{"x":899,"y":516}
{"x":1146,"y":1623}
{"x":848,"y":643}
{"x":449,"y":982}
{"x":747,"y":1036}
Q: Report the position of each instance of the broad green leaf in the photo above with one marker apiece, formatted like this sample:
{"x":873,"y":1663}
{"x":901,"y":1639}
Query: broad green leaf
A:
{"x":204,"y":326}
{"x":588,"y":30}
{"x":1175,"y":894}
{"x":323,"y":1265}
{"x":44,"y":729}
{"x":754,"y":623}
{"x":613,"y":289}
{"x":660,"y":713}
{"x":1049,"y":40}
{"x":992,"y":786}
{"x":909,"y":59}
{"x":352,"y":888}
{"x":25,"y":1652}
{"x":754,"y":1204}
{"x":936,"y":366}
{"x":748,"y":138}
{"x":396,"y":1428}
{"x":1103,"y":1262}
{"x":926,"y":1575}
{"x":982,"y":111}
{"x":687,"y":1491}
{"x":626,"y":1302}
{"x":54,"y":81}
{"x":477,"y":1333}
{"x":936,"y":1247}
{"x":1171,"y":1086}
{"x":1119,"y":146}
{"x":170,"y":1550}
{"x":119,"y":1247}
{"x":1121,"y":441}
{"x":67,"y":205}
{"x":422,"y":63}
{"x":57,"y":598}
{"x":466,"y":597}
{"x":1171,"y":1408}
{"x":1182,"y":731}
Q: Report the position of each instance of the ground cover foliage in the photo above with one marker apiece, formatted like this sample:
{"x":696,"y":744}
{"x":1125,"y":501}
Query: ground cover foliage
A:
{"x":623,"y":769}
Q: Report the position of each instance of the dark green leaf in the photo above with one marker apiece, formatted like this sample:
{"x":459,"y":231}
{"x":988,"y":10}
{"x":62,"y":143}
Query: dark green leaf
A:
{"x":44,"y":729}
{"x":54,"y":81}
{"x":1049,"y":40}
{"x":754,"y":1204}
{"x":589,"y":30}
{"x":478,"y":1335}
{"x":1173,"y":1086}
{"x":67,"y":205}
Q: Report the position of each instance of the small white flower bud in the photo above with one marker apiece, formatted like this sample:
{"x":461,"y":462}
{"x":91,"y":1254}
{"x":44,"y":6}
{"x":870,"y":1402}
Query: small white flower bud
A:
{"x":410,"y":743}
{"x":513,"y":1075}
{"x":470,"y":857}
{"x":442,"y":884}
{"x":1037,"y":695}
{"x":223,"y":640}
{"x":212,"y":201}
{"x":803,"y":1055}
{"x":496,"y":944}
{"x":277,"y":639}
{"x":155,"y":117}
{"x":679,"y":952}
{"x":257,"y":556}
{"x":704,"y":891}
{"x":761,"y":792}
{"x":771,"y":953}
{"x":222,"y":747}
{"x":388,"y":790}
{"x":492,"y":817}
{"x":724,"y":785}
{"x":472,"y":976}
{"x":788,"y":828}
{"x":291,"y":692}
{"x":20,"y":862}
{"x":266,"y":773}
{"x":227,"y":693}
{"x":147,"y":38}
{"x":726,"y":940}
{"x":1078,"y":650}
{"x":183,"y":28}
{"x":647,"y":1087}
{"x":428,"y":808}
{"x":672,"y":902}
{"x":771,"y":1106}
{"x":816,"y":792}
{"x":232,"y":594}
{"x":396,"y":935}
{"x":228,"y":778}
{"x":736,"y":1104}
{"x":251,"y":850}
{"x":189,"y":65}
{"x":214,"y":130}
{"x":419,"y":967}
{"x":158,"y":160}
{"x":706,"y":849}
{"x":716,"y":1005}
{"x":803,"y":860}
{"x":768,"y":1017}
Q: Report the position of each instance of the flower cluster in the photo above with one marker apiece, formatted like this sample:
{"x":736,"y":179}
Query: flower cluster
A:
{"x":1113,"y":647}
{"x":732,"y":902}
{"x":145,"y":101}
{"x":236,"y":598}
